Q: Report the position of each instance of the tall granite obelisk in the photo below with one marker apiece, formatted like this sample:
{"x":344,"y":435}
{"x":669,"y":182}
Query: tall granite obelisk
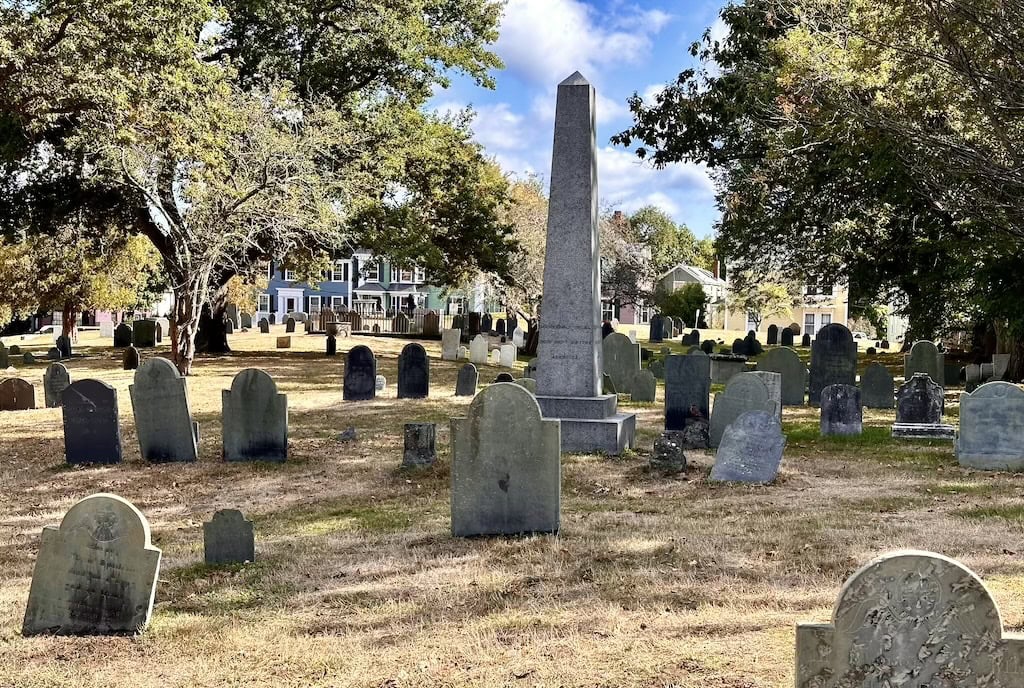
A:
{"x":570,"y":368}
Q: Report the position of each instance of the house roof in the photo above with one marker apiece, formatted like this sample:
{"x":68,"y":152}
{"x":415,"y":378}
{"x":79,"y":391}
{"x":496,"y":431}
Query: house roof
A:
{"x":699,"y":275}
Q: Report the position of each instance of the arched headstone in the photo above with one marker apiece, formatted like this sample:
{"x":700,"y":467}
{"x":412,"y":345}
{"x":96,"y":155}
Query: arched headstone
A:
{"x":122,"y":336}
{"x":413,"y":372}
{"x":744,"y":392}
{"x":750,"y":450}
{"x":991,"y":427}
{"x":130,"y":360}
{"x":255,"y":418}
{"x":687,"y":390}
{"x":833,"y":360}
{"x":621,"y":359}
{"x":841,"y":412}
{"x":55,"y":380}
{"x":773,"y":335}
{"x":163,"y":420}
{"x":876,"y":387}
{"x":17,"y":395}
{"x":360,"y":375}
{"x":787,"y":363}
{"x":925,"y":357}
{"x":467,"y":381}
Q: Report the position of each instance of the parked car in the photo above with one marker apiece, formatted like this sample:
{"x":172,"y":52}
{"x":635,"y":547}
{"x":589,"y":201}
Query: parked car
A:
{"x":48,"y":329}
{"x":860,"y":335}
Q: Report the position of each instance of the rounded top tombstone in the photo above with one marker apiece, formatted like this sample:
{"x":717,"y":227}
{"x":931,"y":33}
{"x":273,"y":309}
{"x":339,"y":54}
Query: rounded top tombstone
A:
{"x":156,"y":371}
{"x":253,"y":382}
{"x":108,"y":518}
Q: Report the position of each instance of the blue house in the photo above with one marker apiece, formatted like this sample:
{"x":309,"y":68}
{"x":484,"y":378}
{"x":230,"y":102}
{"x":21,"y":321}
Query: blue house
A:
{"x":284,"y":295}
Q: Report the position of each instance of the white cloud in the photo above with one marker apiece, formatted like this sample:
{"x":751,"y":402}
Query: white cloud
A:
{"x":651,"y":93}
{"x":629,"y":183}
{"x":720,"y":31}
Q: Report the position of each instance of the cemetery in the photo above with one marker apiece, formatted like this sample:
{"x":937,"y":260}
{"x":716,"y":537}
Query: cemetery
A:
{"x":300,"y":387}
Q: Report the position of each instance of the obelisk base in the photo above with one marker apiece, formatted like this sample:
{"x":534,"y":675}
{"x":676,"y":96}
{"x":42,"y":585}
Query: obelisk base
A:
{"x":591,"y":424}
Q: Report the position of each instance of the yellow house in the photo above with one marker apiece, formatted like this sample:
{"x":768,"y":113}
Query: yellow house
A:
{"x":820,"y":305}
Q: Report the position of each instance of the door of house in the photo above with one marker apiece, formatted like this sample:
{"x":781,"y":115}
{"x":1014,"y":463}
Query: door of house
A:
{"x":289,"y":305}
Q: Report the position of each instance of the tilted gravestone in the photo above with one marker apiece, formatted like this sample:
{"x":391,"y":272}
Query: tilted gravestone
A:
{"x":92,"y":431}
{"x":413,"y":372}
{"x":450,"y":344}
{"x":773,"y":335}
{"x":96,"y":573}
{"x":228,"y":538}
{"x":163,"y":420}
{"x":991,"y":427}
{"x":786,"y":337}
{"x":506,"y":473}
{"x":925,"y":357}
{"x":786,"y":362}
{"x":466,"y":383}
{"x":131,"y":359}
{"x":621,"y":359}
{"x":419,"y":447}
{"x":478,"y":350}
{"x":750,"y":450}
{"x":63,"y":345}
{"x":687,"y":390}
{"x":122,"y":336}
{"x":644,"y":387}
{"x":55,"y":380}
{"x":431,"y":324}
{"x":657,"y":326}
{"x":841,"y":412}
{"x":17,"y":395}
{"x":360,"y":382}
{"x":833,"y":361}
{"x":255,"y":418}
{"x":744,"y":392}
{"x":919,"y":406}
{"x":264,"y":326}
{"x":144,"y":334}
{"x":876,"y":387}
{"x":911,"y":619}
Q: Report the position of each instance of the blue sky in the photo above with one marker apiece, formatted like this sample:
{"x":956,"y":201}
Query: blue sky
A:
{"x":621,"y":46}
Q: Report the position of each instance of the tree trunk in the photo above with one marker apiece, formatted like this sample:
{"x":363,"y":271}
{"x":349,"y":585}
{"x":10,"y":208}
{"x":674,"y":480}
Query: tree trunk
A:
{"x":68,"y":327}
{"x":1015,"y":370}
{"x":188,"y":302}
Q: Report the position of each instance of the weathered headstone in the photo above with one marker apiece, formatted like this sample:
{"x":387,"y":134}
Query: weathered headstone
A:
{"x":725,"y":366}
{"x":163,"y":420}
{"x":507,"y":356}
{"x":229,"y":327}
{"x":28,"y":357}
{"x":876,"y":387}
{"x":478,"y":350}
{"x":15,"y":349}
{"x":773,"y":335}
{"x":621,"y":359}
{"x":991,"y":428}
{"x":255,"y":418}
{"x":495,"y":358}
{"x":272,"y":318}
{"x":486,"y":323}
{"x":228,"y":538}
{"x":643,"y":387}
{"x":231,"y":314}
{"x":751,"y":345}
{"x":332,"y":345}
{"x":473,"y":323}
{"x":657,"y":326}
{"x":687,"y":390}
{"x":419,"y":445}
{"x":360,"y":375}
{"x":750,"y":450}
{"x":431,"y":324}
{"x":63,"y":345}
{"x":707,"y":346}
{"x":1000,"y":363}
{"x":744,"y":392}
{"x":786,"y":337}
{"x":833,"y":360}
{"x":96,"y":574}
{"x":264,"y":326}
{"x":506,"y":473}
{"x":608,"y":385}
{"x":805,"y":341}
{"x":925,"y":357}
{"x":131,"y":359}
{"x":668,"y":455}
{"x":504,"y":377}
{"x":92,"y":433}
{"x":107,"y":329}
{"x":739,"y":347}
{"x":413,"y":372}
{"x":450,"y":344}
{"x":122,"y":336}
{"x":919,"y":406}
{"x":289,"y":325}
{"x":246,"y":320}
{"x":55,"y":380}
{"x":527,"y":383}
{"x":400,"y":323}
{"x":144,"y":334}
{"x":284,"y":342}
{"x":466,"y":383}
{"x":53,"y":354}
{"x":910,"y":620}
{"x":17,"y":395}
{"x":787,"y":363}
{"x":841,"y":411}
{"x":773,"y":381}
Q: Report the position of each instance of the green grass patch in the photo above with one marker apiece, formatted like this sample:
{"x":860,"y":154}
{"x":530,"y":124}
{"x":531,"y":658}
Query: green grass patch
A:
{"x":961,"y":488}
{"x":1008,"y":512}
{"x":315,"y":522}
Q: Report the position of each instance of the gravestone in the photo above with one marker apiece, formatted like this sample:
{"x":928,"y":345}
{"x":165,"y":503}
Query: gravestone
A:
{"x":55,"y":380}
{"x":750,"y":450}
{"x":360,"y":375}
{"x":473,"y":323}
{"x":876,"y":387}
{"x":805,"y":341}
{"x":17,"y":395}
{"x":504,"y":377}
{"x":122,"y":336}
{"x":246,"y":319}
{"x":1000,"y":363}
{"x":478,"y":350}
{"x":657,"y":326}
{"x":841,"y":412}
{"x":751,"y":346}
{"x":606,"y":329}
{"x":668,"y":455}
{"x":231,"y":313}
{"x":773,"y":381}
{"x":499,"y":327}
{"x":795,"y":328}
{"x":272,"y":318}
{"x":53,"y":354}
{"x":107,"y":329}
{"x":527,"y":383}
{"x":744,"y":392}
{"x":725,"y":366}
{"x":163,"y":420}
{"x":668,"y":326}
{"x":786,"y":362}
{"x":621,"y":359}
{"x":786,"y":337}
{"x":458,"y":322}
{"x":884,"y":344}
{"x":773,"y":335}
{"x":687,"y":390}
{"x":229,"y":327}
{"x":432,"y":325}
{"x":462,"y":353}
{"x":131,"y":359}
{"x":400,"y":323}
{"x":910,"y":619}
{"x":228,"y":538}
{"x":924,"y":357}
{"x":163,"y":326}
{"x":643,"y":387}
{"x":495,"y":358}
{"x":739,"y":347}
{"x":677,"y":326}
{"x":332,"y":345}
{"x":991,"y":428}
{"x":255,"y":418}
{"x":871,"y":351}
{"x":284,"y":342}
{"x":707,"y":346}
{"x":919,"y":406}
{"x":506,"y":474}
{"x":28,"y":357}
{"x":92,"y":432}
{"x":96,"y":573}
{"x":413,"y":372}
{"x":833,"y":361}
{"x":63,"y":345}
{"x":289,"y":325}
{"x":420,"y":441}
{"x":467,"y":381}
{"x":4,"y":357}
{"x":144,"y":334}
{"x":608,"y":385}
{"x":450,"y":344}
{"x":507,"y":355}
{"x":486,"y":323}
{"x":15,"y":350}
{"x":264,"y":326}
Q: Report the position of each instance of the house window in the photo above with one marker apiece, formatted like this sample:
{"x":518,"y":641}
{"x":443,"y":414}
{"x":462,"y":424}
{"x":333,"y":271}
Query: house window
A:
{"x":337,"y":302}
{"x":419,"y":276}
{"x":827,"y":290}
{"x":314,"y":304}
{"x":809,"y":324}
{"x":340,"y":272}
{"x":372,"y":271}
{"x":270,"y":271}
{"x":289,"y":276}
{"x":644,"y":314}
{"x":397,"y":302}
{"x":826,"y":319}
{"x":264,"y":303}
{"x":454,"y":305}
{"x":607,"y":310}
{"x":405,"y":276}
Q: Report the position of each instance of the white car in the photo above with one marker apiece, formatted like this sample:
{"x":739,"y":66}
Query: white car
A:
{"x":49,"y":329}
{"x":860,"y":335}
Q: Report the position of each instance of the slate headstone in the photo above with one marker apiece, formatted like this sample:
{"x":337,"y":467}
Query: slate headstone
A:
{"x":621,"y":359}
{"x":246,"y":320}
{"x":606,"y":329}
{"x":28,"y":357}
{"x":228,"y":538}
{"x":144,"y":334}
{"x":122,"y":336}
{"x":63,"y":345}
{"x":773,"y":335}
{"x":332,"y":345}
{"x":264,"y":326}
{"x":707,"y":346}
{"x":773,"y":381}
{"x":739,"y":347}
{"x":272,"y":319}
{"x":876,"y":387}
{"x":131,"y":359}
{"x":687,"y":390}
{"x":841,"y":411}
{"x":17,"y":395}
{"x":805,"y":341}
{"x":751,"y":346}
{"x":53,"y":354}
{"x":420,"y":441}
{"x":833,"y":361}
{"x":163,"y":420}
{"x":786,"y":337}
{"x":504,"y":377}
{"x":787,"y":363}
{"x":55,"y":380}
{"x":255,"y":418}
{"x":289,"y":325}
{"x":466,"y":384}
{"x":644,"y":387}
{"x":431,"y":324}
{"x":744,"y":392}
{"x":750,"y":450}
{"x":991,"y":428}
{"x":657,"y":326}
{"x":413,"y":372}
{"x":360,"y":375}
{"x":919,"y":400}
{"x":486,"y":323}
{"x":925,"y":357}
{"x":92,"y":431}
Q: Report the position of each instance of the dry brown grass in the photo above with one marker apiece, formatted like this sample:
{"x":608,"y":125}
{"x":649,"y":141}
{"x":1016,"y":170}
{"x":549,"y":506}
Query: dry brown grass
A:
{"x":653,"y":581}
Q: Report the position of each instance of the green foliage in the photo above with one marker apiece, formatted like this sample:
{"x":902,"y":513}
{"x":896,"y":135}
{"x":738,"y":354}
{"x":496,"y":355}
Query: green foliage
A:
{"x":670,"y":244}
{"x":684,"y":303}
{"x":760,"y":297}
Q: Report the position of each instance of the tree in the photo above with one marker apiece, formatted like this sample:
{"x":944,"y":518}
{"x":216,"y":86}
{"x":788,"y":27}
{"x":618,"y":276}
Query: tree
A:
{"x":627,"y":269}
{"x":690,"y":302}
{"x":759,"y":298}
{"x":527,"y":213}
{"x":670,"y":244}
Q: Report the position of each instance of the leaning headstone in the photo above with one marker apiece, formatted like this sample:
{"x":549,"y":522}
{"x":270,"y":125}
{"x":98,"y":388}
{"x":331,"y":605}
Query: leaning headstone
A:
{"x":1000,"y":363}
{"x":750,"y":450}
{"x":876,"y":387}
{"x":773,"y":335}
{"x":360,"y":375}
{"x":419,"y":445}
{"x":687,"y":390}
{"x":478,"y":350}
{"x":122,"y":336}
{"x":228,"y":538}
{"x":924,"y":357}
{"x":131,"y":359}
{"x":919,"y":406}
{"x":55,"y":380}
{"x":744,"y":392}
{"x":466,"y":383}
{"x":63,"y":345}
{"x":163,"y":420}
{"x":284,"y":342}
{"x":450,"y":344}
{"x":17,"y":395}
{"x":991,"y":428}
{"x":786,"y":362}
{"x":431,"y":324}
{"x":332,"y":345}
{"x":910,"y":620}
{"x":289,"y":325}
{"x":786,"y":337}
{"x":144,"y":334}
{"x":841,"y":411}
{"x":608,"y":385}
{"x":643,"y":387}
{"x":657,"y":326}
{"x":413,"y":372}
{"x":92,"y":432}
{"x":773,"y":381}
{"x":96,"y":573}
{"x":506,"y":473}
{"x":621,"y":359}
{"x":833,"y":361}
{"x":255,"y":418}
{"x":264,"y":326}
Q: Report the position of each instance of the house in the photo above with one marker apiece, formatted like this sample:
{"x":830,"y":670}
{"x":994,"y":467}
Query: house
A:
{"x":716,"y":288}
{"x":820,"y":305}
